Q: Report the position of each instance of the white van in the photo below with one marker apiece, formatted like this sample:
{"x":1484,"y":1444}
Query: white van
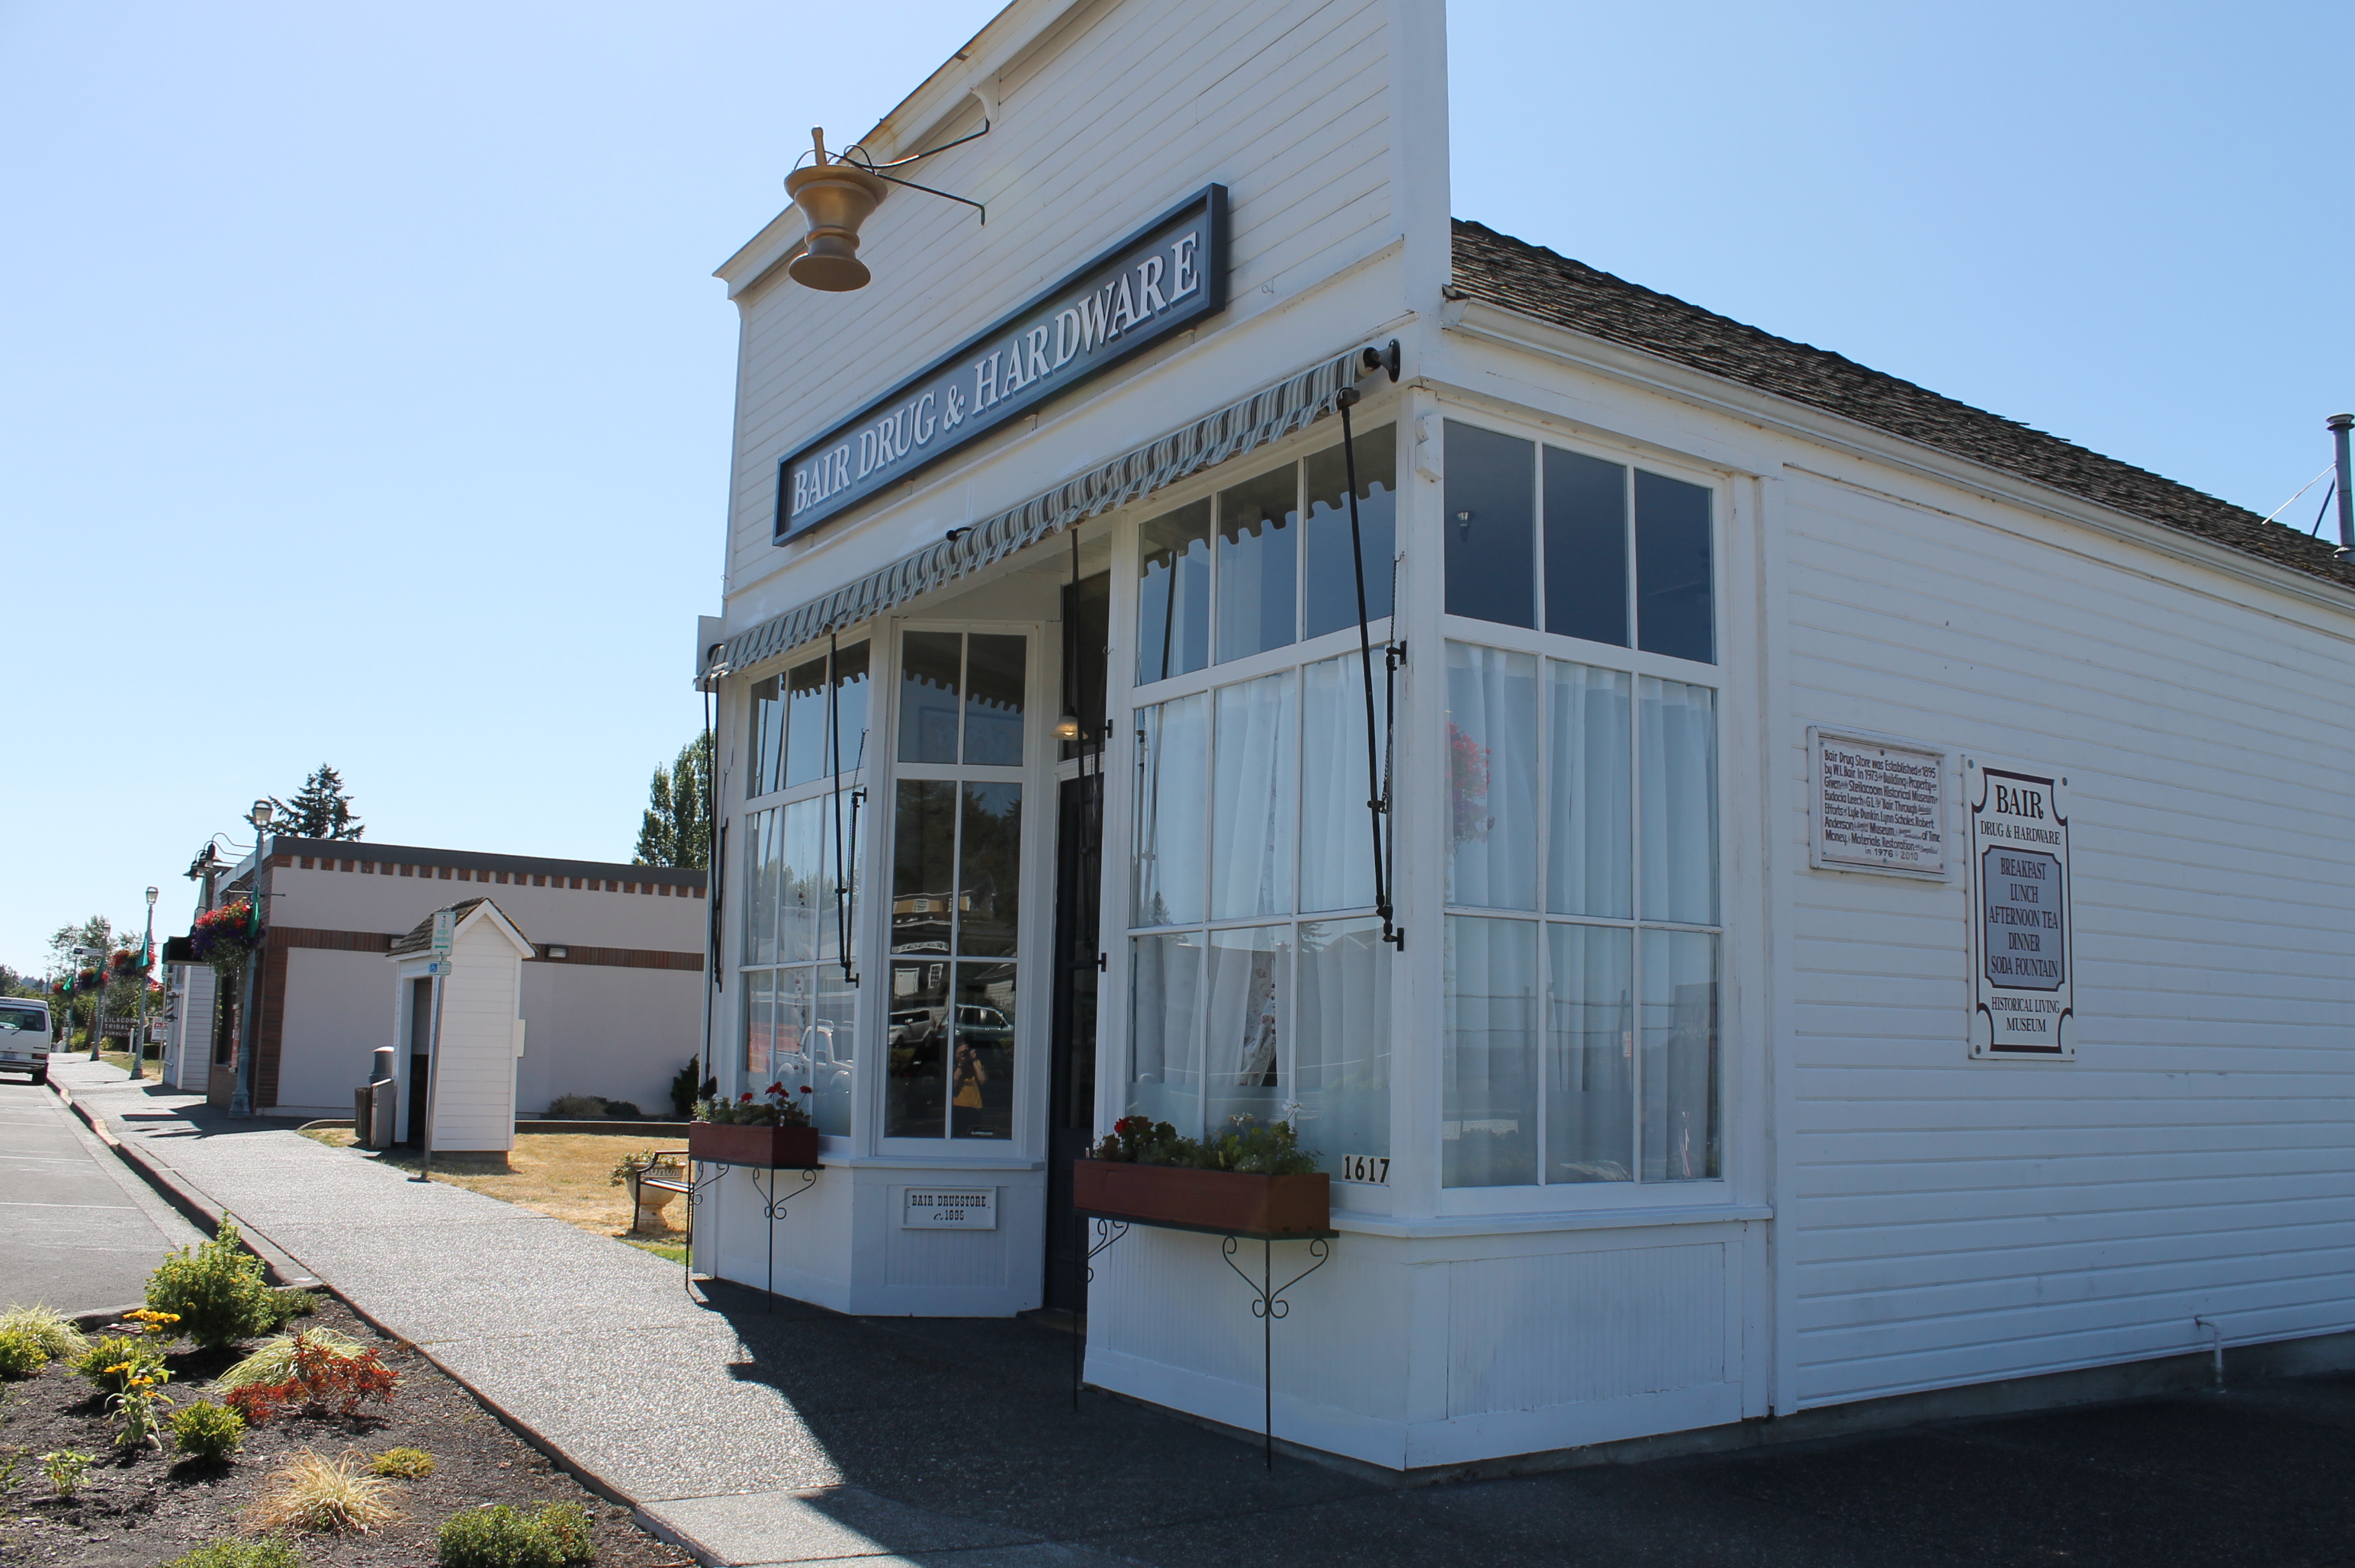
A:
{"x":24,"y":1037}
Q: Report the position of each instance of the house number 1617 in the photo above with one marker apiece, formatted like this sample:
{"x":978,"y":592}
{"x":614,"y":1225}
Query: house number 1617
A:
{"x":1373,"y":1170}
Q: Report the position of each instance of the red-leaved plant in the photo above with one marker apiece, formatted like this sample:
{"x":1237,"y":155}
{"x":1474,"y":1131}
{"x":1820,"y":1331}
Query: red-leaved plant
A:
{"x":322,"y":1375}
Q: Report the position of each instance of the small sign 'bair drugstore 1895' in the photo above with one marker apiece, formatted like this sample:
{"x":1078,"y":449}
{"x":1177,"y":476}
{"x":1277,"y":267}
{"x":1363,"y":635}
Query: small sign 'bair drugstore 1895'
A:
{"x":1169,"y":275}
{"x":2018,"y":853}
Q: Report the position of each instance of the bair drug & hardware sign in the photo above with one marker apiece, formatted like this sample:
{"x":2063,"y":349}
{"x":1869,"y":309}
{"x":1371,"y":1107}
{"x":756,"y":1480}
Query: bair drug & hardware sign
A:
{"x":1169,"y":275}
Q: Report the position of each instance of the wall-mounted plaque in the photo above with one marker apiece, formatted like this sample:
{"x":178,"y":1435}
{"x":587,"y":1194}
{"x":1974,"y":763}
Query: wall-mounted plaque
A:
{"x":2022,"y":948}
{"x":949,"y":1209}
{"x":1880,"y":805}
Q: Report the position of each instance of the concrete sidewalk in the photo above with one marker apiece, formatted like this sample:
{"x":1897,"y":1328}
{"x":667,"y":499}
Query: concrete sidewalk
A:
{"x":797,"y":1436}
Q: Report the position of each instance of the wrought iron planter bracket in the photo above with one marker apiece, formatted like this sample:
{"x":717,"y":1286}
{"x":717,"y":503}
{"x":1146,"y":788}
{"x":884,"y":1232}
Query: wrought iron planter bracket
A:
{"x":1268,"y":1302}
{"x":772,"y":1208}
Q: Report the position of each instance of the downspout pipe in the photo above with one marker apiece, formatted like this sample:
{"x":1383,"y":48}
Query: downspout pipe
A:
{"x":2338,"y":425}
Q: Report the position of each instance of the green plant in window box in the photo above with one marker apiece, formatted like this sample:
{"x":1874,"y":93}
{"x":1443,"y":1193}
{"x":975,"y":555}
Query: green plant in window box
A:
{"x":1246,"y":1145}
{"x":774,"y":1106}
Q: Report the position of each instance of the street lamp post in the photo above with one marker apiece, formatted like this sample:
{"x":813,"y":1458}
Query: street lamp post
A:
{"x":240,"y":1100}
{"x":146,"y":948}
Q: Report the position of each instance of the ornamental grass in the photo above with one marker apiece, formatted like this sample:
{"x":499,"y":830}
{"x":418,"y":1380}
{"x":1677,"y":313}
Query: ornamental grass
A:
{"x":59,"y":1338}
{"x":322,"y":1496}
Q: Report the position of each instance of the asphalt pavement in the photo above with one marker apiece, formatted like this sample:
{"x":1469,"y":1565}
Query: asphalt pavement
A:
{"x":78,"y":1231}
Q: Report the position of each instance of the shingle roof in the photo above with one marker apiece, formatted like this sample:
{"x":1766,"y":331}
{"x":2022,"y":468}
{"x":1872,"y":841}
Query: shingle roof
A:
{"x":1535,"y":281}
{"x":420,"y":937}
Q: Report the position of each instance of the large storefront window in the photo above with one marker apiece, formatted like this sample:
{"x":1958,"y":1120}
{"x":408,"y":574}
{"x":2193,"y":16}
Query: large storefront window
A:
{"x":1582,"y":940}
{"x":796,"y":1009}
{"x":1259,"y":983}
{"x":956,"y":874}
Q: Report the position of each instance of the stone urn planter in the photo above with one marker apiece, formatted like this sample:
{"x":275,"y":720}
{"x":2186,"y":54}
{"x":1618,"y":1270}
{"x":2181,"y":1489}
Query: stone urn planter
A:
{"x":1228,"y":1202}
{"x":788,"y":1148}
{"x":648,"y":1200}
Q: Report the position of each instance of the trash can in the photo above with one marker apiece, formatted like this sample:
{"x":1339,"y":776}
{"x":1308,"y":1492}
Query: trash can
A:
{"x":373,"y":1103}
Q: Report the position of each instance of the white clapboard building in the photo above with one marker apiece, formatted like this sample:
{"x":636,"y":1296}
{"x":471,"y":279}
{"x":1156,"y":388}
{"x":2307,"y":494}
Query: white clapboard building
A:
{"x":1869,"y":881}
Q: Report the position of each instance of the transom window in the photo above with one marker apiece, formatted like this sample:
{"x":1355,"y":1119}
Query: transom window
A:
{"x":1542,"y":538}
{"x":1238,"y":574}
{"x":790,"y":743}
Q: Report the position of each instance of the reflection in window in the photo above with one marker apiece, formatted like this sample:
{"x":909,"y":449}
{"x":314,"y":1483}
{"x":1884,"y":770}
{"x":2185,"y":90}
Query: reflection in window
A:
{"x":1489,"y":513}
{"x":1259,"y":564}
{"x":1673,"y":602}
{"x":789,"y":742}
{"x":1585,"y":547}
{"x":1173,"y":594}
{"x":950,"y":1048}
{"x":931,"y":671}
{"x":993,"y":702}
{"x":1248,"y":1016}
{"x":1329,"y":583}
{"x":1492,"y":777}
{"x":1173,"y":811}
{"x":796,"y":1017}
{"x":1590,"y":535}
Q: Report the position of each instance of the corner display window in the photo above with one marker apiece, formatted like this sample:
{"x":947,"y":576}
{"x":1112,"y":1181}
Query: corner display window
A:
{"x":1543,"y":537}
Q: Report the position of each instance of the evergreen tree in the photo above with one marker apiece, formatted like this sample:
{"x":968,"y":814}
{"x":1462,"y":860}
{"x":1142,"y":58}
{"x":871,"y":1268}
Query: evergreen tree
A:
{"x":320,"y":809}
{"x":675,"y":829}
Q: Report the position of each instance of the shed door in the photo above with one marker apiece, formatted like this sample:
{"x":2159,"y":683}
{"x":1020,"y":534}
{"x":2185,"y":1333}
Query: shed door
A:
{"x":421,"y":1054}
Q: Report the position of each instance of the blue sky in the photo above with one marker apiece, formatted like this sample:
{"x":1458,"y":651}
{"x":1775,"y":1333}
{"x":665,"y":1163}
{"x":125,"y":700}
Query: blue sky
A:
{"x":364,"y":393}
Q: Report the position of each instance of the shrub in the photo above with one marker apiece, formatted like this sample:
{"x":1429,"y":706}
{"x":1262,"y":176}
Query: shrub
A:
{"x":66,"y":1469}
{"x":684,"y":1090}
{"x":208,"y":1431}
{"x":236,"y":1551}
{"x":112,"y":1362}
{"x":217,"y":1288}
{"x":316,"y":1367}
{"x":325,"y":1495}
{"x":285,"y":1305}
{"x":625,"y":1109}
{"x":21,"y":1353}
{"x":502,"y":1538}
{"x":408,"y":1464}
{"x":576,"y":1106}
{"x":59,"y":1339}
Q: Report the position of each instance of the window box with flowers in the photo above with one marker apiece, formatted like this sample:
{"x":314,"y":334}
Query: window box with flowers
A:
{"x":1248,"y":1181}
{"x":770,"y":1129}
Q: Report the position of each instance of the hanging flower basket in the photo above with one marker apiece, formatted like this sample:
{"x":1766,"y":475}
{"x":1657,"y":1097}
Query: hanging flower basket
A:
{"x":790,"y":1148}
{"x":224,"y":937}
{"x":1234,"y":1201}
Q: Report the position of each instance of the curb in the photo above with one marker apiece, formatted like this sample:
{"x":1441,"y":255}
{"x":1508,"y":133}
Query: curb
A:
{"x":201,"y":1206}
{"x":195,"y":1205}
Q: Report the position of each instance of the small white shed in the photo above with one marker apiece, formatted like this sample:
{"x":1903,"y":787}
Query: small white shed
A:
{"x":458,"y":1029}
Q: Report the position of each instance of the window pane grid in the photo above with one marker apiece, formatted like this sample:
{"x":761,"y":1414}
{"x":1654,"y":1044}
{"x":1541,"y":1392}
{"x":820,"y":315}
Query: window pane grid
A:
{"x":1244,"y":1001}
{"x":1582,"y":1037}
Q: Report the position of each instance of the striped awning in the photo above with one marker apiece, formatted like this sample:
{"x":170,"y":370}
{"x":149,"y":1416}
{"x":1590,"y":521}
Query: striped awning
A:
{"x":1267,"y":415}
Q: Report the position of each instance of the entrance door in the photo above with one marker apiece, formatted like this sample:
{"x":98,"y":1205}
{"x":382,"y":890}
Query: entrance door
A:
{"x":420,"y":1055}
{"x":1078,"y":883}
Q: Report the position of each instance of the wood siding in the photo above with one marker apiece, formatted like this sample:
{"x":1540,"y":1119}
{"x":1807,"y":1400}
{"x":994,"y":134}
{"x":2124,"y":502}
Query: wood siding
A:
{"x":1953,"y":1220}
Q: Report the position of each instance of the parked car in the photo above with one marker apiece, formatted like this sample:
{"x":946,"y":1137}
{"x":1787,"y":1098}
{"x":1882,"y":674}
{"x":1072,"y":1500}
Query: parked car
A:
{"x":25,"y":1037}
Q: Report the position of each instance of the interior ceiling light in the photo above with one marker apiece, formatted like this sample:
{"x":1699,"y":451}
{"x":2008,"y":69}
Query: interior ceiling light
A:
{"x":836,"y":195}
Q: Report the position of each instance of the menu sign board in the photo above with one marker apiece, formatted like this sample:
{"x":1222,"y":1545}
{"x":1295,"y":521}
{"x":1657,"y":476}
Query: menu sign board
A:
{"x":1161,"y":279}
{"x":2022,"y":948}
{"x":1880,"y":805}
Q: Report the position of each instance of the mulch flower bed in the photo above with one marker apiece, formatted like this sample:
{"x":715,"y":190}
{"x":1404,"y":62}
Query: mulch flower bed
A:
{"x":145,"y":1508}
